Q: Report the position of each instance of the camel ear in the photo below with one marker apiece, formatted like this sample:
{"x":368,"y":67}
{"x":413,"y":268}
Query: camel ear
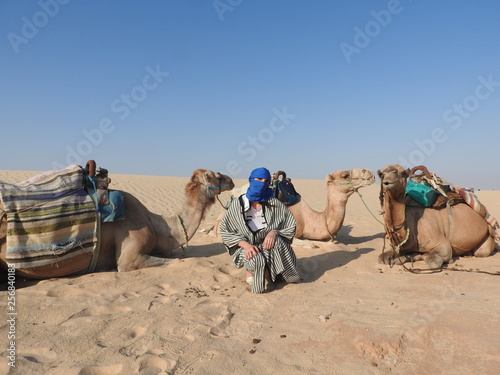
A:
{"x":380,"y":174}
{"x":329,"y":177}
{"x":207,"y":175}
{"x":405,"y":173}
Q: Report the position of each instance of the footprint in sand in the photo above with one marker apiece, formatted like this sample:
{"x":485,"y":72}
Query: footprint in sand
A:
{"x":90,"y":312}
{"x":150,"y":364}
{"x":68,"y":291}
{"x":222,"y":322}
{"x":243,"y":326}
{"x":101,"y":310}
{"x":127,"y":296}
{"x":88,"y":370}
{"x":195,"y":368}
{"x":38,"y":355}
{"x":126,"y":335}
{"x":137,"y":348}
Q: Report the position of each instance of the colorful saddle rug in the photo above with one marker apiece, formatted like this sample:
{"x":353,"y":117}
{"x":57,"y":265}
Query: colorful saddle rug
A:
{"x":50,"y":217}
{"x":472,"y":200}
{"x":444,"y":194}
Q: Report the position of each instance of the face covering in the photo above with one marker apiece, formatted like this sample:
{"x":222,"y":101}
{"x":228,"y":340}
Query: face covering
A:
{"x":259,"y":191}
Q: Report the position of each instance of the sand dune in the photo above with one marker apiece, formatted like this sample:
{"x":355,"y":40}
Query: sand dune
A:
{"x":349,"y":315}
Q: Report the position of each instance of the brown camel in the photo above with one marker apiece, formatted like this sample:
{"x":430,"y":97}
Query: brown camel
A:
{"x":143,"y":238}
{"x":435,"y":236}
{"x":314,"y":225}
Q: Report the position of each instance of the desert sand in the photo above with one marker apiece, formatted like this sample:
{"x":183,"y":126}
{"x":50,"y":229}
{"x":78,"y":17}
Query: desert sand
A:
{"x":349,"y":315}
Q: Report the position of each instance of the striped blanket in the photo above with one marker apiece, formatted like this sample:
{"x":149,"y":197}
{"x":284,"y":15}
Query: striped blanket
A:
{"x":50,"y":218}
{"x":472,"y":200}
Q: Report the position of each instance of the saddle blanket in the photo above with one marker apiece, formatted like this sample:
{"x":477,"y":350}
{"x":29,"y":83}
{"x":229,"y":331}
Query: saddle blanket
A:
{"x":50,"y":217}
{"x":473,"y":201}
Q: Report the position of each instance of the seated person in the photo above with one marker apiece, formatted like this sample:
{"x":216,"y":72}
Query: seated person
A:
{"x":257,"y":231}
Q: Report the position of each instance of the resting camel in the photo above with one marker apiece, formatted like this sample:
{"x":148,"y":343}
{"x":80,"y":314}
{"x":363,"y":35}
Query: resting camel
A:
{"x":314,"y":225}
{"x":418,"y":233}
{"x":143,"y":238}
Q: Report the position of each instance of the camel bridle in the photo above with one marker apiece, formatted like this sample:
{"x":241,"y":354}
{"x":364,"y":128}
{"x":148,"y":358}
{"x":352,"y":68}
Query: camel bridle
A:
{"x":210,"y":187}
{"x":348,"y":182}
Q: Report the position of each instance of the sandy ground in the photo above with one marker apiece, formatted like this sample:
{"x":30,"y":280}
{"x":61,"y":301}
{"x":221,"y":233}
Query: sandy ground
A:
{"x":349,"y":315}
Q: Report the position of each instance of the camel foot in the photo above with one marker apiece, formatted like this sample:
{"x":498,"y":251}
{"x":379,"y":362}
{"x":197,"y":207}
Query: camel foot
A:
{"x":434,"y":261}
{"x":486,"y":248}
{"x":143,"y":261}
{"x":387,"y":258}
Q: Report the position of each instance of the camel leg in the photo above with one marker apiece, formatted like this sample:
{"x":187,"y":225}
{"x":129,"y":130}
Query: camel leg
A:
{"x":133,"y":253}
{"x":143,"y":261}
{"x":390,"y":258}
{"x":387,"y":257}
{"x":486,"y":248}
{"x":438,"y":256}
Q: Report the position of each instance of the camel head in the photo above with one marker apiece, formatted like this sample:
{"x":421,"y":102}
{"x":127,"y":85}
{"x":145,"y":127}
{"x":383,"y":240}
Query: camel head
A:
{"x":350,"y":181}
{"x":393,"y":180}
{"x":208,"y":184}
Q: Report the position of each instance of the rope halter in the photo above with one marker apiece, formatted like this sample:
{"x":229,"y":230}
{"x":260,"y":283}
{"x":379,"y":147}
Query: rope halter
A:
{"x":356,"y":190}
{"x":348,"y":182}
{"x":211,"y":188}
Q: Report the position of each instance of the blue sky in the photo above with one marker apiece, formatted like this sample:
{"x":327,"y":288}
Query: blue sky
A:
{"x":165,"y":87}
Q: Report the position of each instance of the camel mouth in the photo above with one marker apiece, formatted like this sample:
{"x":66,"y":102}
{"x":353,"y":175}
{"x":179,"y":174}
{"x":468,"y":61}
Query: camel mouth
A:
{"x":362,"y":177}
{"x":228,"y":186}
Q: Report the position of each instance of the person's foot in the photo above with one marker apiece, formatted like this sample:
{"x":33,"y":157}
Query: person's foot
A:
{"x":269,"y":285}
{"x":249,"y":278}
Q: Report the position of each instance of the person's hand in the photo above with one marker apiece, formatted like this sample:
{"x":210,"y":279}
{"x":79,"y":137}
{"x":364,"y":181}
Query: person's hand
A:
{"x":270,"y":239}
{"x":250,"y":250}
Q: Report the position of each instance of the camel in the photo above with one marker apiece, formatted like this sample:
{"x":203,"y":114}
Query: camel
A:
{"x":143,"y":238}
{"x":314,"y":225}
{"x":435,"y":236}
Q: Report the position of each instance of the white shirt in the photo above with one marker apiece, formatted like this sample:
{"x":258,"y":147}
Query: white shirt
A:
{"x":254,"y":218}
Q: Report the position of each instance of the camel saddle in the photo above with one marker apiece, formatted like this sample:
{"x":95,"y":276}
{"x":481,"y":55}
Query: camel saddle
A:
{"x":55,"y":215}
{"x":284,"y":189}
{"x":50,"y":217}
{"x":446,"y":194}
{"x":441,"y":192}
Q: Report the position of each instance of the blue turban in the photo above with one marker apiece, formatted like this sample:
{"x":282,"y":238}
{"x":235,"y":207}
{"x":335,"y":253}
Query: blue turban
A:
{"x":259,"y":191}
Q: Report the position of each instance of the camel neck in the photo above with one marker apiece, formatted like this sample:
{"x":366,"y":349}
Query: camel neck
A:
{"x":395,"y":218}
{"x":182,"y":226}
{"x":336,"y":208}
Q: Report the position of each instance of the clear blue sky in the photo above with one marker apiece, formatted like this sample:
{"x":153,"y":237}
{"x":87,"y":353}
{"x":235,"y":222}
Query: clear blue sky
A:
{"x":309,"y":87}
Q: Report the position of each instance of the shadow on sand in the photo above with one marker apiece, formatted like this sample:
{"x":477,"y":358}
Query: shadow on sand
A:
{"x":314,"y":267}
{"x":344,"y":237}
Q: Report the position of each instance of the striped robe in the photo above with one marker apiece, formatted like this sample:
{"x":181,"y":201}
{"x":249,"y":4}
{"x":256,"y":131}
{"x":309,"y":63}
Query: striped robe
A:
{"x":280,"y":259}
